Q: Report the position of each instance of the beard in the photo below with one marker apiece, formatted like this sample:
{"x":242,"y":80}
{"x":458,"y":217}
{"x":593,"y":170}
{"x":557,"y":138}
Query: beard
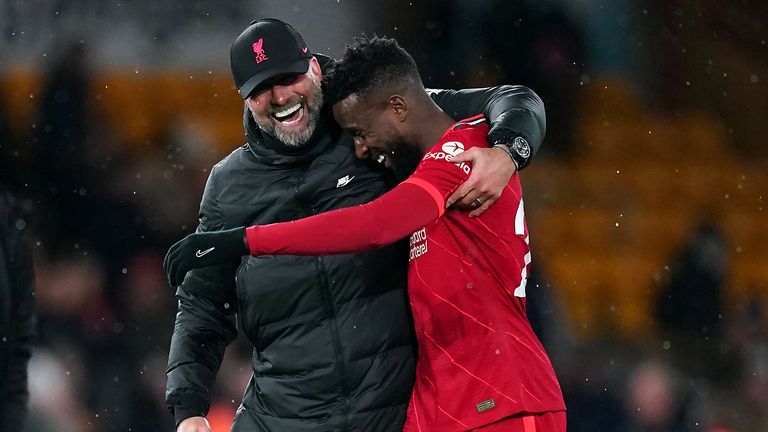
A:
{"x":296,"y":137}
{"x":403,"y":160}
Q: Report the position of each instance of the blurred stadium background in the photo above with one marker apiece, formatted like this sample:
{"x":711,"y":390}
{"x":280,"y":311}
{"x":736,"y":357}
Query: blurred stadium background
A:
{"x":646,"y":204}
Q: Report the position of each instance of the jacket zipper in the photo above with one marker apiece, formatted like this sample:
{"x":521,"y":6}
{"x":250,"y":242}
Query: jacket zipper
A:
{"x":325,"y":292}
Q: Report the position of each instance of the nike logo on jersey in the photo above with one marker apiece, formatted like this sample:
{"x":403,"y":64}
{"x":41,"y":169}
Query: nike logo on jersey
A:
{"x":200,"y":253}
{"x":344,"y":181}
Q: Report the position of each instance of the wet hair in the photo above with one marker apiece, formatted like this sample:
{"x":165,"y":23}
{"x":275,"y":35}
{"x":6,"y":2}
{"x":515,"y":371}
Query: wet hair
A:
{"x":371,"y":68}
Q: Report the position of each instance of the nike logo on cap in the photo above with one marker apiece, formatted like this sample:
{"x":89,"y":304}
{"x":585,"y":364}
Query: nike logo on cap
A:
{"x":200,"y":253}
{"x":344,"y":181}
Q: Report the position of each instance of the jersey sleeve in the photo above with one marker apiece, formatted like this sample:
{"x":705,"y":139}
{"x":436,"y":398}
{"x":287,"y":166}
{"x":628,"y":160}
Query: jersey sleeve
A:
{"x":378,"y":223}
{"x":411,"y":205}
{"x":438,"y":175}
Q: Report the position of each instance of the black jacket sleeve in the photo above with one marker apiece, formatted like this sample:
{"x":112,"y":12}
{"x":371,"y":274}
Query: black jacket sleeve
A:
{"x":205,"y":325}
{"x":21,"y":330}
{"x":513,"y":111}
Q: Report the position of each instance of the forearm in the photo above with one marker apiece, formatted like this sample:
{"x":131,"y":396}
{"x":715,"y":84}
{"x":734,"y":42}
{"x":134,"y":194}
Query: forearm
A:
{"x":512,"y":110}
{"x":201,"y":333}
{"x":355,"y":229}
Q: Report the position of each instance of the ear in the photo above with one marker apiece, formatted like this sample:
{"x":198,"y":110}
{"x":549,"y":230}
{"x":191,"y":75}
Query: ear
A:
{"x":315,"y":66}
{"x":399,"y":107}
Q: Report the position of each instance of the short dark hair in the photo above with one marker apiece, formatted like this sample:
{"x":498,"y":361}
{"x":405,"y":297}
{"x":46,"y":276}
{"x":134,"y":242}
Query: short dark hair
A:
{"x":371,"y":65}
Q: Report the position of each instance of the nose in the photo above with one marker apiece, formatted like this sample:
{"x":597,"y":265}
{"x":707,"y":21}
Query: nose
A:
{"x":361,"y":151}
{"x":281,"y":94}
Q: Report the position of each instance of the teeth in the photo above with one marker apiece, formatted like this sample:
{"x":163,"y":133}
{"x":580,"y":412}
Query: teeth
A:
{"x":287,"y":111}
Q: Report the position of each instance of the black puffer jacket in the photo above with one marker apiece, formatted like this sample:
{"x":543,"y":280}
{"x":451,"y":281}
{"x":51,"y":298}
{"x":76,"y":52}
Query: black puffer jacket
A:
{"x":17,"y":320}
{"x":333,"y":344}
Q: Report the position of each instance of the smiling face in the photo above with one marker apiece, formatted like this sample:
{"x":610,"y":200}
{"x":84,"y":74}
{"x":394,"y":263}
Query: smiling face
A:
{"x":377,"y":130}
{"x":288,"y":107}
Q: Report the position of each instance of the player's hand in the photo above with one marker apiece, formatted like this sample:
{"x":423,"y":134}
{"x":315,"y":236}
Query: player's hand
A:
{"x":203,"y":250}
{"x":194,"y":424}
{"x":491,"y":170}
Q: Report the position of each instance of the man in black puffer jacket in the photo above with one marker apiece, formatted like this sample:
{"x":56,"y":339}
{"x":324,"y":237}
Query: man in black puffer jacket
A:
{"x":17,"y":319}
{"x":333,"y":344}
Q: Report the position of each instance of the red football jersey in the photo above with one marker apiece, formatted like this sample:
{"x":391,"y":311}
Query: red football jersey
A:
{"x":479,"y":360}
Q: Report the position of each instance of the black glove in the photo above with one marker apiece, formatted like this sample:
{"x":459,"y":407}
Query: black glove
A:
{"x":203,"y":250}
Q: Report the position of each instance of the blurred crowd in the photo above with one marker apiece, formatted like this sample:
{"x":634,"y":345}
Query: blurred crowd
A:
{"x":105,"y":210}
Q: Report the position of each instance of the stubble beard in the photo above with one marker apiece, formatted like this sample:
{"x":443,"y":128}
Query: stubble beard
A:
{"x":297,"y":137}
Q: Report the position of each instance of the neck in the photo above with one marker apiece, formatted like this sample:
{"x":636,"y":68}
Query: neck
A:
{"x":433,"y":123}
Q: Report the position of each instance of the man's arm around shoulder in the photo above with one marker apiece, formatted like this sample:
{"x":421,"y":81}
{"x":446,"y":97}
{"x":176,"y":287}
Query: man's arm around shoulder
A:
{"x":513,"y":110}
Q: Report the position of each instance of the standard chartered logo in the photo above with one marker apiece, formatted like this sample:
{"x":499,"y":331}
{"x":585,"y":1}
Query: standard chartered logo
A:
{"x":418,"y":244}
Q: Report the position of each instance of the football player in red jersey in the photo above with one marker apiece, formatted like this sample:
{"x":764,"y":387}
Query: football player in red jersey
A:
{"x":480,"y":365}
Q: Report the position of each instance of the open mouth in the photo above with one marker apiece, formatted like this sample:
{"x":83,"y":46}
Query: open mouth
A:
{"x":289,"y":115}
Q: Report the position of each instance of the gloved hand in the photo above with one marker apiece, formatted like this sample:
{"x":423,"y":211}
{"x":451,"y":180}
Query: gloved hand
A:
{"x":203,"y":250}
